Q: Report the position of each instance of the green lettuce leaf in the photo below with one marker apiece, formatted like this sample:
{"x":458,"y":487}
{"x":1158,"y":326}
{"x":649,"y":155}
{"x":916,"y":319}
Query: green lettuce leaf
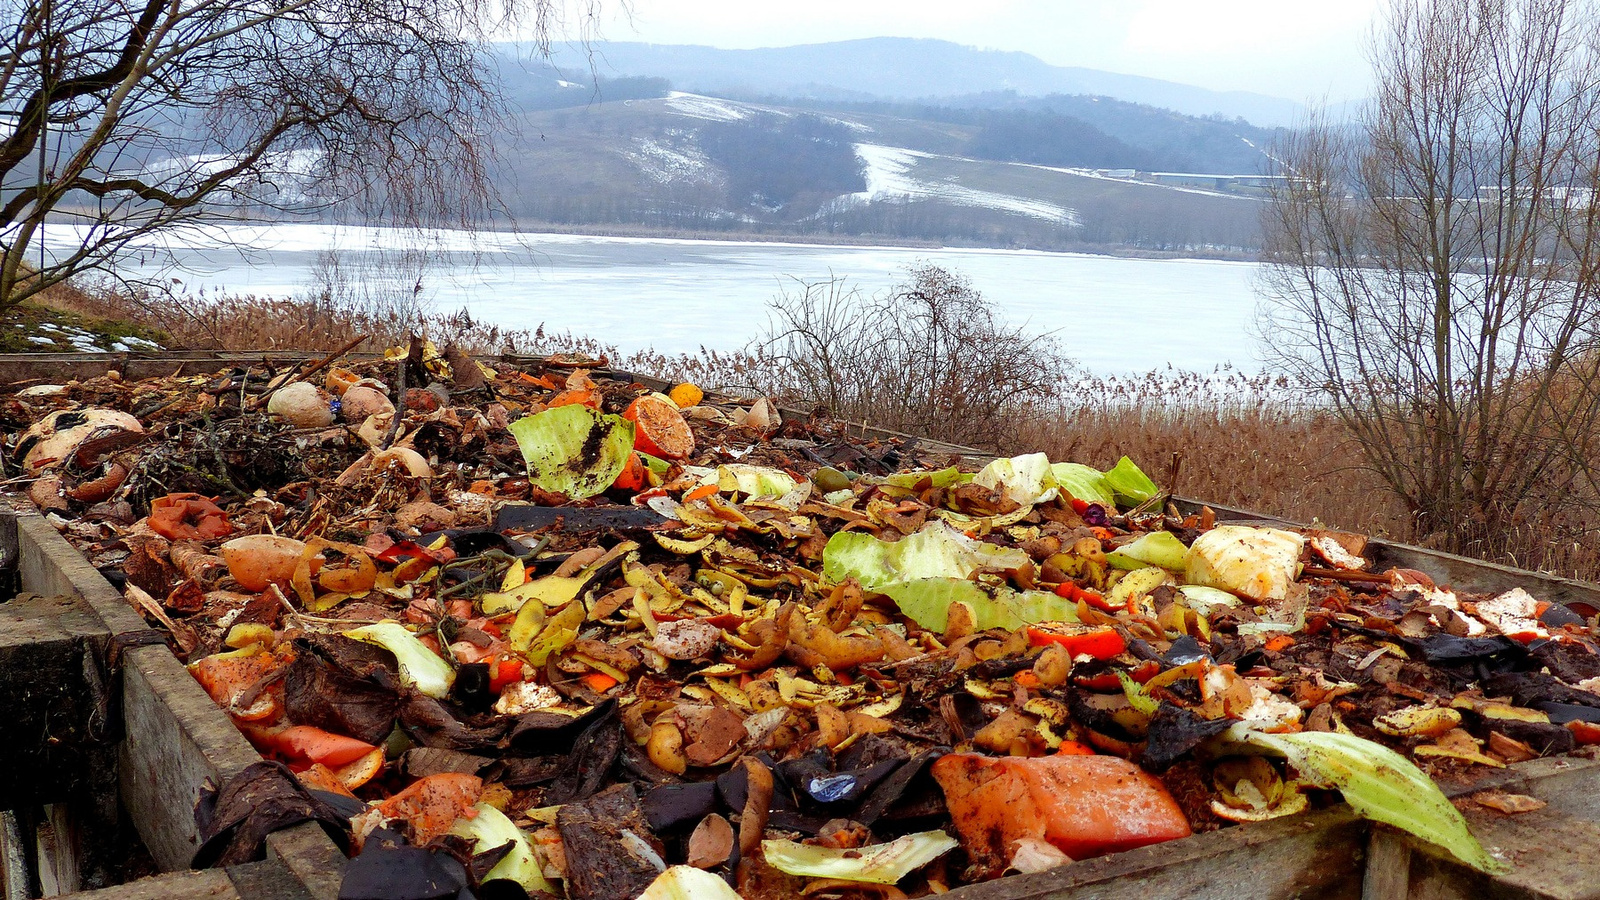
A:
{"x":1131,"y":485}
{"x":927,"y":602}
{"x":1155,"y":548}
{"x":573,"y":450}
{"x":1384,"y":786}
{"x":1025,"y":479}
{"x":1084,"y":483}
{"x":937,"y":551}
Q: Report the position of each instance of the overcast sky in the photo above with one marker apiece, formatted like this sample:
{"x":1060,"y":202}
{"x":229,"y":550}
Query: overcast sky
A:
{"x":1298,"y":49}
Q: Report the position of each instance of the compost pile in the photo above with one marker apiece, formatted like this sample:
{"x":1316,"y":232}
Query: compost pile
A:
{"x":554,"y":632}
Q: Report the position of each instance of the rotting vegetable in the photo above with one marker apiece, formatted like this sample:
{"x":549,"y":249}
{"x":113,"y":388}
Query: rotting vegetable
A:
{"x":806,"y":662}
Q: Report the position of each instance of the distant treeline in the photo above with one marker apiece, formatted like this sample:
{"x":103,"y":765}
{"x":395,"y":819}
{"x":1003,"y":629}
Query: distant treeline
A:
{"x":1080,"y":131}
{"x":545,"y":89}
{"x":774,"y":162}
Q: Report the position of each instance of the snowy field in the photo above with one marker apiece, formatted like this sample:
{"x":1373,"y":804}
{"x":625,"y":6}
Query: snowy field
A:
{"x":1113,"y":315}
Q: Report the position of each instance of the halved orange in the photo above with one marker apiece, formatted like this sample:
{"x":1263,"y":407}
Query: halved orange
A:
{"x":659,"y":429}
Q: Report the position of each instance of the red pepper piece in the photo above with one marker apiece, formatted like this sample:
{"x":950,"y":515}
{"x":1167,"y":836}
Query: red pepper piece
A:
{"x":1099,"y":641}
{"x":1095,"y":599}
{"x":308,"y":744}
{"x":504,"y":672}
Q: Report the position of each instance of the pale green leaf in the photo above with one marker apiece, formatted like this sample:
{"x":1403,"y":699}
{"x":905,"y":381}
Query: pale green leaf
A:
{"x":1384,"y":786}
{"x":877,"y":864}
{"x":1130,"y":484}
{"x":1155,"y":548}
{"x":1085,"y":483}
{"x":573,"y":450}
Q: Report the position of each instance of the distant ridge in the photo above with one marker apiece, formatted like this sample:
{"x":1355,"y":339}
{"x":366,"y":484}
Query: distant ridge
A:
{"x":903,"y":69}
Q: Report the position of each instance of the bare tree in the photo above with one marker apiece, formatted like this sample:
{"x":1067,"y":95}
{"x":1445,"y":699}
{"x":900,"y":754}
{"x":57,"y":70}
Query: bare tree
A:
{"x":928,"y":356}
{"x":1435,"y":267}
{"x":124,"y":118}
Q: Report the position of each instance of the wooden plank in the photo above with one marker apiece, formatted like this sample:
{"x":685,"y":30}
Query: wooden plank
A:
{"x":1314,"y":856}
{"x":310,"y":858}
{"x":16,"y":876}
{"x":176,"y":740}
{"x":58,"y":852}
{"x":57,"y":701}
{"x":208,"y":884}
{"x":1388,"y":869}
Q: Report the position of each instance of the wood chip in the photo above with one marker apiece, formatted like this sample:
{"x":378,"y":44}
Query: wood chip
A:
{"x":1510,"y":804}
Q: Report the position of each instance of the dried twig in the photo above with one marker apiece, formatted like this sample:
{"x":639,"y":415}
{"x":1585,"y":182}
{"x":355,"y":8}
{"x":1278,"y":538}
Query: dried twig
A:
{"x":399,"y":395}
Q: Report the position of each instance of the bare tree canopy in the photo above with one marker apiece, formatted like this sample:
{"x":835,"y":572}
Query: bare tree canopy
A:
{"x":126,"y":117}
{"x":929,"y":357}
{"x":1436,"y":267}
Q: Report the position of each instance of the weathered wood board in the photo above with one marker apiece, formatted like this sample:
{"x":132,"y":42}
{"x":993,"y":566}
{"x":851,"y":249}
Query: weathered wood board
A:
{"x":172,"y":738}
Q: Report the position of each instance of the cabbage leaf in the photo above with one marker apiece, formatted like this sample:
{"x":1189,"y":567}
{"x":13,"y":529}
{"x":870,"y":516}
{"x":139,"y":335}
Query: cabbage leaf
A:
{"x":1382,"y":785}
{"x":573,"y":450}
{"x":877,"y":863}
{"x":1085,"y":483}
{"x":1025,"y":480}
{"x":1130,"y":484}
{"x":937,"y":551}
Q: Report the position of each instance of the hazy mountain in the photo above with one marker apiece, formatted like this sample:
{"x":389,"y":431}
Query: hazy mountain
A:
{"x":900,"y":69}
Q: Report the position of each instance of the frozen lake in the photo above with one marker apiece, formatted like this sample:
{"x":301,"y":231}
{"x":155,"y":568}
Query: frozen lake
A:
{"x":1113,"y":315}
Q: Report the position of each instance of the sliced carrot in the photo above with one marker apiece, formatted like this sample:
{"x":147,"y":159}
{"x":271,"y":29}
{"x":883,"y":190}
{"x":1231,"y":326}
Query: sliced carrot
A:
{"x":313,"y":745}
{"x":700,"y":493}
{"x":599,"y":682}
{"x":1074,"y":748}
{"x":578,"y":397}
{"x":1026,"y":678}
{"x":635,"y":476}
{"x":1279,"y":643}
{"x":1585,"y":732}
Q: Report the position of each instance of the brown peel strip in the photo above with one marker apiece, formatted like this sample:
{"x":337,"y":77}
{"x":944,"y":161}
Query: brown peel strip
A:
{"x":757,"y":804}
{"x":773,"y":646}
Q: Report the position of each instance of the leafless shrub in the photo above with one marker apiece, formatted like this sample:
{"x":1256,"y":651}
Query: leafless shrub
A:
{"x":929,"y":356}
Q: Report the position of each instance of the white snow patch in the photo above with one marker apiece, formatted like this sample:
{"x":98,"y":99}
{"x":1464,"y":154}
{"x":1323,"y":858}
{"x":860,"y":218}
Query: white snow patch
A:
{"x":560,"y":83}
{"x":714,"y":109}
{"x":40,"y":339}
{"x":666,"y":164}
{"x":890,"y":179}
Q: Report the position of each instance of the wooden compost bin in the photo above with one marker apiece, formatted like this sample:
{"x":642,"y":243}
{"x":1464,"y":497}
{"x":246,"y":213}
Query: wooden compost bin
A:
{"x":173,"y":739}
{"x":122,"y":722}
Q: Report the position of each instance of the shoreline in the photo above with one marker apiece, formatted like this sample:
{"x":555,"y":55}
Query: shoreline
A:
{"x":504,"y":235}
